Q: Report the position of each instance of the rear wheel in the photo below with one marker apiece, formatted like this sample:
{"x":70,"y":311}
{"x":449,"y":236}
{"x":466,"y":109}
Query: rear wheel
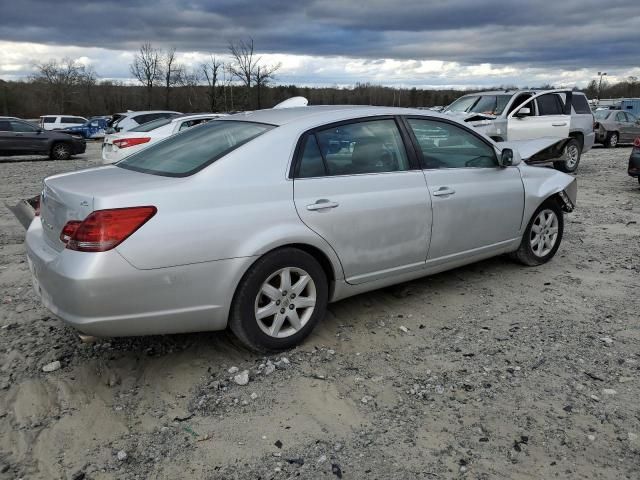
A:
{"x":543,"y":235}
{"x":572,"y":153}
{"x":612,"y":140}
{"x":279,"y":301}
{"x":60,"y":151}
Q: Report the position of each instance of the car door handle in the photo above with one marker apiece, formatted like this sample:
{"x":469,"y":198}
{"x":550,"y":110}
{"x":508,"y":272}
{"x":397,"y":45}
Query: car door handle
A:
{"x":442,"y":191}
{"x":322,"y":204}
{"x":561,"y":124}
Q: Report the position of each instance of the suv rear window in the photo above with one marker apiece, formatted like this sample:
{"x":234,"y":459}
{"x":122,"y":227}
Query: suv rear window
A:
{"x":580,"y":104}
{"x":185,"y":154}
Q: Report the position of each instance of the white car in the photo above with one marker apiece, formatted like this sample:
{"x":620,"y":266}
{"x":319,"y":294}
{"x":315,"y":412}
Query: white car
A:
{"x":123,"y":122}
{"x":58,"y":122}
{"x":117,"y":146}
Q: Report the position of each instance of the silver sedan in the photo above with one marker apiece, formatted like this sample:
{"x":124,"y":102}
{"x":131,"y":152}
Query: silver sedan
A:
{"x":258,"y":220}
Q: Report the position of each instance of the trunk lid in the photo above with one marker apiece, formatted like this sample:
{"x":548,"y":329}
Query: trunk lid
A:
{"x":73,"y":196}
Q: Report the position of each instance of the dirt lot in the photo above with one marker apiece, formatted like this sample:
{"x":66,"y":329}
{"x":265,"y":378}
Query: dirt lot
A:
{"x":488,"y":371}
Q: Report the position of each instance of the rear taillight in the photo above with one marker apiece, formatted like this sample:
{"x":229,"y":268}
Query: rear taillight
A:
{"x":35,"y":203}
{"x":130,"y":142}
{"x":68,"y":230}
{"x":103,"y":230}
{"x":636,"y":142}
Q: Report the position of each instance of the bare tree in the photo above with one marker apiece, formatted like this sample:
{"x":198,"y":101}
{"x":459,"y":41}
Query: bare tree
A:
{"x":262,"y":76}
{"x":210,"y":70}
{"x":244,"y":64}
{"x":172,"y":73}
{"x":190,"y":80}
{"x":147,"y":68}
{"x":62,"y":78}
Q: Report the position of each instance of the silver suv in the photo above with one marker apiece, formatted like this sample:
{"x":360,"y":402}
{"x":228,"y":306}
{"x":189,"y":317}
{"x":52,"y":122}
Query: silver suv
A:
{"x":511,"y":115}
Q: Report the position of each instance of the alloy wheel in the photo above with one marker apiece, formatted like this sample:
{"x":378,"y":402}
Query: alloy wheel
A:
{"x":285,"y":303}
{"x":544,"y":233}
{"x":60,"y":151}
{"x":573,"y":155}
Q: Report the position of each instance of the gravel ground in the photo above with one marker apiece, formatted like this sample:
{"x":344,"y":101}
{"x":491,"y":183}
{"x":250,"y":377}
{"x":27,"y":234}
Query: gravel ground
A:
{"x":488,"y":371}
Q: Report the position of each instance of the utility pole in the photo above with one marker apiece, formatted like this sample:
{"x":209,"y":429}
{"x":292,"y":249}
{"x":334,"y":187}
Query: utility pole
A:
{"x":601,"y":74}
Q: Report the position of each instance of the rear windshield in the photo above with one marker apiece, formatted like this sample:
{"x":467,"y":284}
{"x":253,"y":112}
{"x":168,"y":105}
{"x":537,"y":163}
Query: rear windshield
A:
{"x":602,"y":114}
{"x":147,"y":127}
{"x":190,"y":151}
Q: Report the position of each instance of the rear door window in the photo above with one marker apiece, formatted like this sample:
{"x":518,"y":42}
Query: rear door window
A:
{"x":77,"y":120}
{"x":23,"y":127}
{"x":185,"y":154}
{"x":550,"y":104}
{"x":372,"y":146}
{"x":5,"y":126}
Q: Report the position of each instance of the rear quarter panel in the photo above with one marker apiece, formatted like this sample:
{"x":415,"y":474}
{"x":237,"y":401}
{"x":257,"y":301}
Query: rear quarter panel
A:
{"x":240,"y":206}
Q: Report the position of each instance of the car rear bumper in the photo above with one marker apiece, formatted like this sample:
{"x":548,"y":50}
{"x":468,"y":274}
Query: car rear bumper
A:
{"x":102,"y":294}
{"x":634,"y":163}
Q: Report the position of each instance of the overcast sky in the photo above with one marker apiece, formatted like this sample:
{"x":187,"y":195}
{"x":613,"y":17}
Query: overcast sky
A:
{"x":459,"y":43}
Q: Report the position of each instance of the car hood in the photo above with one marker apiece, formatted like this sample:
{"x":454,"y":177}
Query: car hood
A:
{"x":471,"y":116}
{"x":538,"y":149}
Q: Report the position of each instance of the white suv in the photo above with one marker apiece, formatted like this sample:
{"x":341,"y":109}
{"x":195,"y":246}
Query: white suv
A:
{"x":512,"y":115}
{"x":58,"y":122}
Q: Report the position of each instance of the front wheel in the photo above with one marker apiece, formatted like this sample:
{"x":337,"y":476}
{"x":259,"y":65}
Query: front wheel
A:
{"x":60,"y":151}
{"x":279,"y":301}
{"x":572,"y":153}
{"x":612,"y":140}
{"x":543,"y":235}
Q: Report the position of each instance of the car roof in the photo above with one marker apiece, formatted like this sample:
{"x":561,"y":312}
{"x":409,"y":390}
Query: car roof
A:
{"x":514,"y":91}
{"x":323,"y":114}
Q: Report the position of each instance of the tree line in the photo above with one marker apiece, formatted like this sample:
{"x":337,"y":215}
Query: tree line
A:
{"x":242,"y":82}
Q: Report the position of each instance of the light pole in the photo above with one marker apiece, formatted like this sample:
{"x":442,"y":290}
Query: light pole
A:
{"x":602,"y":74}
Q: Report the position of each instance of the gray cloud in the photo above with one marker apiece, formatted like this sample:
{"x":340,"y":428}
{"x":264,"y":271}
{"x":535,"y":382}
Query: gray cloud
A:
{"x":551,"y":34}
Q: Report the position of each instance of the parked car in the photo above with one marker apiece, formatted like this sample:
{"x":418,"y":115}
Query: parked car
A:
{"x":634,"y":160}
{"x":91,"y":129}
{"x":18,"y":137}
{"x":249,"y":222}
{"x":123,"y":122}
{"x":526,"y":114}
{"x":117,"y":146}
{"x":59,"y":122}
{"x":615,"y":126}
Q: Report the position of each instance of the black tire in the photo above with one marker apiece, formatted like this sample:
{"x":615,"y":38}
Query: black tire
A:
{"x":571,"y":162}
{"x":242,"y":317}
{"x":525,"y":253}
{"x":60,"y":151}
{"x":612,"y":140}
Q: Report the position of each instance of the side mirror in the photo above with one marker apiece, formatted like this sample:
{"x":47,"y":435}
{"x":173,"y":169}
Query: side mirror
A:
{"x":509,"y":158}
{"x":523,"y":112}
{"x":506,"y":158}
